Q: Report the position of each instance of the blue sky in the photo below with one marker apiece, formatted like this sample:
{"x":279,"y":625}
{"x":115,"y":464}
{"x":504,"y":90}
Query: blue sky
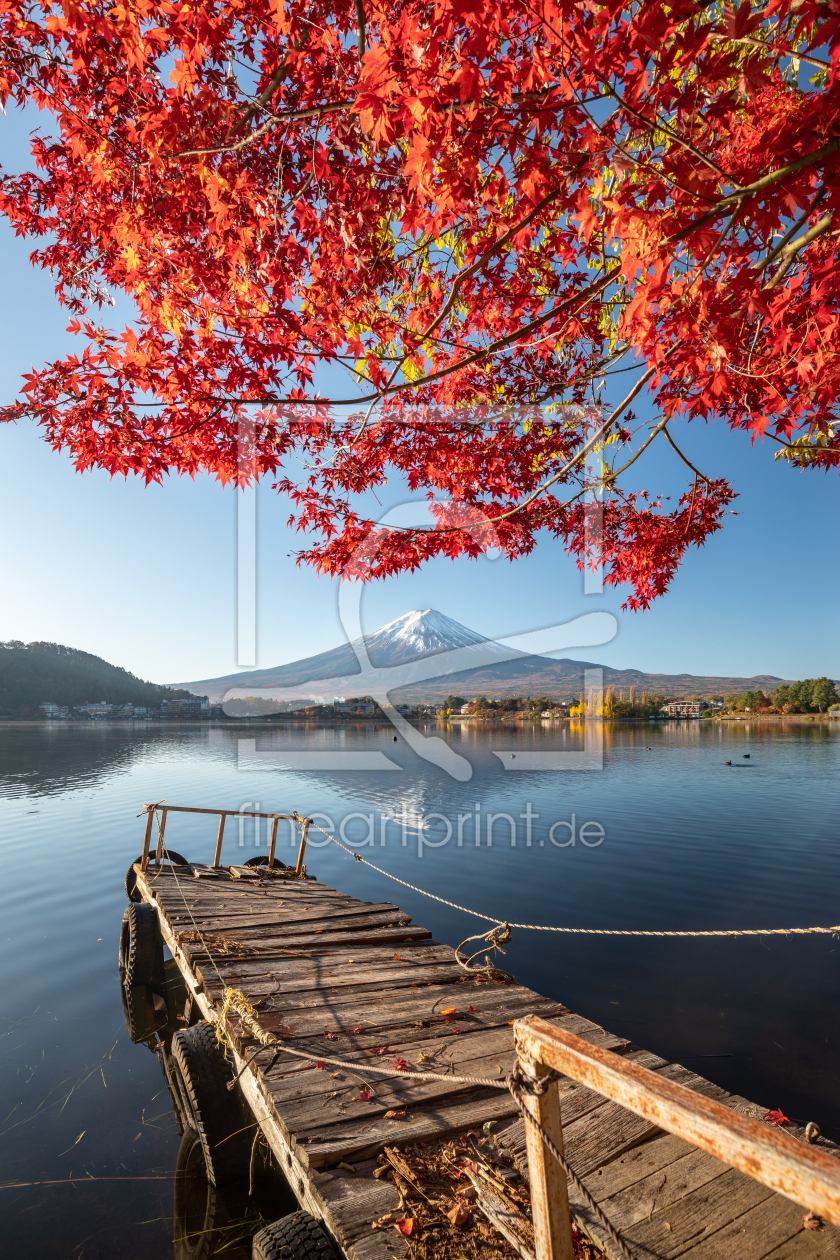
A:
{"x":145,"y":577}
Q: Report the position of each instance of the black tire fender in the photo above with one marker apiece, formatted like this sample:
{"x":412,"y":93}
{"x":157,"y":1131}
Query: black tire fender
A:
{"x":142,"y":1018}
{"x":141,"y":946}
{"x":198,"y":1210}
{"x":295,"y":1237}
{"x":131,"y":875}
{"x":212,"y":1110}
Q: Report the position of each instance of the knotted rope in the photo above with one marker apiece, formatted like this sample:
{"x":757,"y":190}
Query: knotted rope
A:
{"x":494,"y":939}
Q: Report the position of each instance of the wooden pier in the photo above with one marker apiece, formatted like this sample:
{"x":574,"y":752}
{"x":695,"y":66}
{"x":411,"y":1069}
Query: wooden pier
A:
{"x":356,"y":980}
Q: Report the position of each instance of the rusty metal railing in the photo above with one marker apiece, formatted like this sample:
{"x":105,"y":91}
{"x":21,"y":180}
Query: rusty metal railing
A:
{"x":222,"y":814}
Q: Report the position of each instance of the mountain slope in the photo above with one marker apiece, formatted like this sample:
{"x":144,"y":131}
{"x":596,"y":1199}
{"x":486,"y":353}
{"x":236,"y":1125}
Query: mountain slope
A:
{"x":427,"y":632}
{"x":33,"y":673}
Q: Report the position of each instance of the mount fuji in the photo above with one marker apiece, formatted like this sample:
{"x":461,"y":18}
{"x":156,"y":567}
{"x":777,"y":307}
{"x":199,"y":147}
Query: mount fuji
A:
{"x":426,"y":632}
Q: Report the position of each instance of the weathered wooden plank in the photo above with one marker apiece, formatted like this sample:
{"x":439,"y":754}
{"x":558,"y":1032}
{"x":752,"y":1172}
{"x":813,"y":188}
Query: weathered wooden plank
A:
{"x":246,"y":903}
{"x":809,"y":1244}
{"x":355,"y":1201}
{"x":661,"y":1188}
{"x":238,"y":927}
{"x":379,"y":1246}
{"x":279,"y":912}
{"x":271,"y":946}
{"x":415,"y":943}
{"x":603,"y":1134}
{"x":362,"y":960}
{"x":295,"y":981}
{"x":682,"y":1225}
{"x":649,"y":1160}
{"x":399,"y":1008}
{"x":749,"y":1234}
{"x":331,"y":1143}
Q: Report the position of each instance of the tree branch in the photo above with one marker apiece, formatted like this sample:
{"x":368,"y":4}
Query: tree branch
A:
{"x":688,"y":462}
{"x":797,"y":246}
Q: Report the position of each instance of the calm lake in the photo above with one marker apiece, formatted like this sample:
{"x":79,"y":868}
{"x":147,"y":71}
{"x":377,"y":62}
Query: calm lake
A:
{"x":664,"y":835}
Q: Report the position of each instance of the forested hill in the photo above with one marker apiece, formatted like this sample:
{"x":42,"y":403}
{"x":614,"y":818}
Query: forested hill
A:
{"x":32,"y":673}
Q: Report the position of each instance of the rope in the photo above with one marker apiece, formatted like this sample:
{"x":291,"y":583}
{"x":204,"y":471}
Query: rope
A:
{"x":518,"y":1086}
{"x":494,"y":939}
{"x":187,"y":904}
{"x":248,"y":1018}
{"x":575,"y":931}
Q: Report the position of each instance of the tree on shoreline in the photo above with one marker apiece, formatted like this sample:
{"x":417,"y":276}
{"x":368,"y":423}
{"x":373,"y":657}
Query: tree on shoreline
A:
{"x":501,"y":223}
{"x":810,"y":695}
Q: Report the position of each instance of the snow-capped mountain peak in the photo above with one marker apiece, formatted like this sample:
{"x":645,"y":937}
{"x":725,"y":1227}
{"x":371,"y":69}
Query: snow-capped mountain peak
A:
{"x":419,"y":633}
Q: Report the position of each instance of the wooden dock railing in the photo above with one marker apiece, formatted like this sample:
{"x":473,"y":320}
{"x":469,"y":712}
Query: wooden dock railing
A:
{"x":777,"y":1160}
{"x":222,"y":814}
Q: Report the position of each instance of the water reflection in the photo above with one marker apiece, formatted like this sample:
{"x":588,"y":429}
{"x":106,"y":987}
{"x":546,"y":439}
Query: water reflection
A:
{"x":207,"y":1219}
{"x":50,"y":759}
{"x":87,"y":1123}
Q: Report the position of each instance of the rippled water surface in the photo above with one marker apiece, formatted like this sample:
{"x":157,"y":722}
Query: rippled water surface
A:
{"x":688,"y":842}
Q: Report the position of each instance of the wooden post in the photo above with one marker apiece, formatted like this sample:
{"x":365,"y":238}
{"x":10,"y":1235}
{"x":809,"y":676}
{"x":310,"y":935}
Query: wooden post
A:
{"x":272,"y":846}
{"x":299,"y":868}
{"x":161,"y":829}
{"x":150,"y":816}
{"x":549,"y":1196}
{"x":217,"y":857}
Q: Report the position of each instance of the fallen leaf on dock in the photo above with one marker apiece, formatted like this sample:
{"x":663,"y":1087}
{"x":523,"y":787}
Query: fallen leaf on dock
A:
{"x":449,"y":1010}
{"x":400,"y":1065}
{"x":776,"y":1117}
{"x":364,"y":1095}
{"x":405,"y":1226}
{"x":394,"y":1115}
{"x":398,"y":957}
{"x":321,"y":1064}
{"x":812,"y":1221}
{"x":457,"y":1214}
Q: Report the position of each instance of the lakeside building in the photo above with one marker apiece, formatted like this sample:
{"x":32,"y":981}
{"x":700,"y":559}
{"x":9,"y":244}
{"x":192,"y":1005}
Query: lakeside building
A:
{"x":195,"y":706}
{"x":684,"y":708}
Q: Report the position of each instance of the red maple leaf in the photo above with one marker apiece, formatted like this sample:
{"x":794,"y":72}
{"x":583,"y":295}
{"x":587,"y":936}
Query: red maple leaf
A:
{"x":776,"y":1117}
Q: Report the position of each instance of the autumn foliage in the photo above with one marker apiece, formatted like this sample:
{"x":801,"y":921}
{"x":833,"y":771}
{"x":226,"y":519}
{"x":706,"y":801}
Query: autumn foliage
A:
{"x":502,"y":226}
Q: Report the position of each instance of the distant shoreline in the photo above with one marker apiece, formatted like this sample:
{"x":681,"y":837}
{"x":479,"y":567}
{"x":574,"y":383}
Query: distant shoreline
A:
{"x":294,"y":719}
